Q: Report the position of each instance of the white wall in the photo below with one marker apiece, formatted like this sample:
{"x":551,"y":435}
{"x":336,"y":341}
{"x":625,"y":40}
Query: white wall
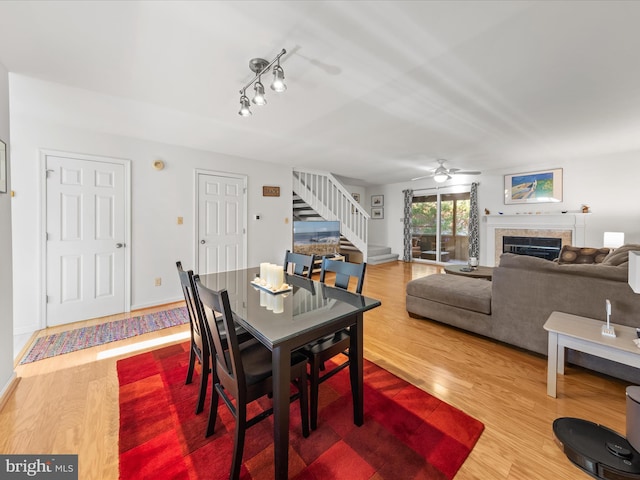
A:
{"x":158,"y":198}
{"x":6,"y":286}
{"x":607,"y":183}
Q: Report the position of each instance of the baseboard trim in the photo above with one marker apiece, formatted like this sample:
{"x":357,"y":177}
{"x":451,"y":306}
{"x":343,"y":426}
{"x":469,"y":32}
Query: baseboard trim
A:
{"x":25,"y":348}
{"x":140,"y":306}
{"x":8,"y":390}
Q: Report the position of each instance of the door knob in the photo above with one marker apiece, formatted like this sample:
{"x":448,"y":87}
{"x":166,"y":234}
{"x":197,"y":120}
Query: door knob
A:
{"x":119,"y":245}
{"x":202,"y":242}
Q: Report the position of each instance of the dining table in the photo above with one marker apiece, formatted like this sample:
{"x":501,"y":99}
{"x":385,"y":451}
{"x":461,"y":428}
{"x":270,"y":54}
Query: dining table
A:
{"x":287,"y":320}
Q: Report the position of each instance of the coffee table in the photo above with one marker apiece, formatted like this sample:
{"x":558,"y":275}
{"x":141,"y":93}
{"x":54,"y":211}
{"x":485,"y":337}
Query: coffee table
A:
{"x":478,"y":272}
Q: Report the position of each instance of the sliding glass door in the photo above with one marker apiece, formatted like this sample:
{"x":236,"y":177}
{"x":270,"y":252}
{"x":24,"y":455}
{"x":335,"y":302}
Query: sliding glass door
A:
{"x":440,"y":223}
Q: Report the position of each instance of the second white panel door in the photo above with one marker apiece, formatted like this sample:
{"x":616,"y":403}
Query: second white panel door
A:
{"x":221,"y":220}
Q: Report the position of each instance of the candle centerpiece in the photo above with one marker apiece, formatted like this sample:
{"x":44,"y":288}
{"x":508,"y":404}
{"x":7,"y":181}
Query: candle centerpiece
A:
{"x":270,"y":280}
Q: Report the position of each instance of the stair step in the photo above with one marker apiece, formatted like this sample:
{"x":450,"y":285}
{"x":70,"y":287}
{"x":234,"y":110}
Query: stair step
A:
{"x":375,"y":250}
{"x":378,"y":259}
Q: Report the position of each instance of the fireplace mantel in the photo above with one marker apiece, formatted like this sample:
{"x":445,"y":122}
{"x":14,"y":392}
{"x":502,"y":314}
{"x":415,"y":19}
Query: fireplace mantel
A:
{"x":574,"y":222}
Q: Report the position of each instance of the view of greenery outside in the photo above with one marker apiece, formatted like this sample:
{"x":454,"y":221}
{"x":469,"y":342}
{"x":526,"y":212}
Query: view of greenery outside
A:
{"x":454,"y":212}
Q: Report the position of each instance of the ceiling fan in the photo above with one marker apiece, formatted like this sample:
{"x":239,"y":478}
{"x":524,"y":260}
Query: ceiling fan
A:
{"x":442,"y":174}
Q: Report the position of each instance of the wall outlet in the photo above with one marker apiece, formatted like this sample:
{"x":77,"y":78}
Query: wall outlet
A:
{"x":158,"y":281}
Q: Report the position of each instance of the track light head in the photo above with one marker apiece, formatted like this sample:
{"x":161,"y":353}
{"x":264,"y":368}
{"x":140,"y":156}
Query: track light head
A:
{"x":245,"y":111}
{"x":278,"y":84}
{"x":258,"y":98}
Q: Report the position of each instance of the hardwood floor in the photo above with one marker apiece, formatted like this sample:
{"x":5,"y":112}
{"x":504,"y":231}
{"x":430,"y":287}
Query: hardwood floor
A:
{"x":69,"y":404}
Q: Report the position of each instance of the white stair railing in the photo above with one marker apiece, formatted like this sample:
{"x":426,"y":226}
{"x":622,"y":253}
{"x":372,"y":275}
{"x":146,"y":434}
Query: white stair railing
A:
{"x":327,"y":196}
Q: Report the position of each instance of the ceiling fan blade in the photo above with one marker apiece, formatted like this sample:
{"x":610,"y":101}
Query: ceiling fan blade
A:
{"x":463,"y":172}
{"x":420,"y":178}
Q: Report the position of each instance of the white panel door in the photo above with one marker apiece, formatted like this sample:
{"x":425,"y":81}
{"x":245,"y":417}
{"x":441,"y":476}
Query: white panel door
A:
{"x":221,"y":219}
{"x":85,"y":222}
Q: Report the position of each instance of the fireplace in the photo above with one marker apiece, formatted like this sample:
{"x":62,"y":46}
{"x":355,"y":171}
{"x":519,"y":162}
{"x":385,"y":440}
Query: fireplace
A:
{"x":569,"y":227}
{"x":542,"y":247}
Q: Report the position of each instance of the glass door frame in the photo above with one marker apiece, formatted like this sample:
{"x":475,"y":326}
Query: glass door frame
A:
{"x":438,"y":192}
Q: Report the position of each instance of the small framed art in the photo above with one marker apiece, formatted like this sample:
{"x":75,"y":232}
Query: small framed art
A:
{"x":377,"y":213}
{"x":377,"y":200}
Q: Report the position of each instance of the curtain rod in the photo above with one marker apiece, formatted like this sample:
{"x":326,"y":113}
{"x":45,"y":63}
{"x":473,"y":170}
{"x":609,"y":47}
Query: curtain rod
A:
{"x":447,"y":186}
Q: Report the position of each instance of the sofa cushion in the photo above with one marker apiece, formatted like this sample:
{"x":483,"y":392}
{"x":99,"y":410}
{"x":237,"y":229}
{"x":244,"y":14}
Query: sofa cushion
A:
{"x":467,"y":293}
{"x":582,"y":255}
{"x":620,"y":256}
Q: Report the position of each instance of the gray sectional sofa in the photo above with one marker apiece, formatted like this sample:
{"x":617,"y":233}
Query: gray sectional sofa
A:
{"x":514,"y":306}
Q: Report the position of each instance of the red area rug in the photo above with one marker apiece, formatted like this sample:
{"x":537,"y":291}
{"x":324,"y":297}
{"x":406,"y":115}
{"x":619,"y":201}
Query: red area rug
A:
{"x":408,"y":434}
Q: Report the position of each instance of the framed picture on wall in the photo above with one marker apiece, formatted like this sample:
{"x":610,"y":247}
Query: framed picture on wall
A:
{"x":377,"y":200}
{"x":3,"y":167}
{"x":377,"y":213}
{"x":544,"y":186}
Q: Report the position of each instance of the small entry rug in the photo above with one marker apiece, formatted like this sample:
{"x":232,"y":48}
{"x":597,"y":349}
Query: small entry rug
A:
{"x":80,"y":338}
{"x":408,"y":434}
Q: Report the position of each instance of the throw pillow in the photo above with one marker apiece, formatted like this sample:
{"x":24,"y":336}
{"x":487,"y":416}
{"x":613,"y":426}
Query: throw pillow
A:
{"x":620,"y":256}
{"x":583,"y":255}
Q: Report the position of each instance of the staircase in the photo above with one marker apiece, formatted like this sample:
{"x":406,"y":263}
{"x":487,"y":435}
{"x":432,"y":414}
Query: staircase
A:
{"x":376,"y":254}
{"x":320,"y":196}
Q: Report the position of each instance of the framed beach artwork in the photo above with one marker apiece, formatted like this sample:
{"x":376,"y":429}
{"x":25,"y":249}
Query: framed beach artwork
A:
{"x":544,"y":186}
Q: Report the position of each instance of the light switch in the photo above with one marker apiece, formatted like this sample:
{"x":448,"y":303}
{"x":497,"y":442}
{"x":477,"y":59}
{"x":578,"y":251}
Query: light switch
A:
{"x":180,"y":220}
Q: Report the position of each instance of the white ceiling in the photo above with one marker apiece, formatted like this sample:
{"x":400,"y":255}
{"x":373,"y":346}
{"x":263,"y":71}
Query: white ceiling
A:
{"x":376,"y":90}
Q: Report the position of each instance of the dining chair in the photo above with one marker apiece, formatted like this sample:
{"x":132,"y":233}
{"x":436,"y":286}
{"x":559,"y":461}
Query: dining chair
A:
{"x":199,"y":349}
{"x":243,"y":372}
{"x":302,"y":264}
{"x":319,"y":351}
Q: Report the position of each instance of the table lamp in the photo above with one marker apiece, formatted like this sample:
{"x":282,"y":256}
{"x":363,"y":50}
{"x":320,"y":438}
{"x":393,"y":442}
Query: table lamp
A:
{"x":613,"y":240}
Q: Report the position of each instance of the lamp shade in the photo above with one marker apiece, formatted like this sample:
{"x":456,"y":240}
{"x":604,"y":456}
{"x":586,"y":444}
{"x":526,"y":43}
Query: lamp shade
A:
{"x":440,"y":177}
{"x":634,"y":271}
{"x":613,"y":239}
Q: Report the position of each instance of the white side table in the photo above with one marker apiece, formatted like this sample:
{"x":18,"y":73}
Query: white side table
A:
{"x":584,"y":334}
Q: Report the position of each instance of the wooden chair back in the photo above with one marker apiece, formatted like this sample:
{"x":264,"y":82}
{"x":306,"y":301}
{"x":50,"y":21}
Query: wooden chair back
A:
{"x":302,"y":264}
{"x":344,"y":272}
{"x":222,"y":337}
{"x":187,"y":290}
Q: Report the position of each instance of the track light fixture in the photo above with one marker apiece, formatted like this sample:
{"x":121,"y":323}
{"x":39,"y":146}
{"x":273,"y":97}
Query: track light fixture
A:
{"x":260,"y":66}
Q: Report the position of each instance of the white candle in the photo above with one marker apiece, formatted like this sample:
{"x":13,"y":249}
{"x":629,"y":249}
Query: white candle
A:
{"x":269,"y":301}
{"x":279,"y":277}
{"x":278,"y":304}
{"x":263,"y":273}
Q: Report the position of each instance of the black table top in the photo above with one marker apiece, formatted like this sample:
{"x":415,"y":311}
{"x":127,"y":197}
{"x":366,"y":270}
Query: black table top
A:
{"x":309,"y":307}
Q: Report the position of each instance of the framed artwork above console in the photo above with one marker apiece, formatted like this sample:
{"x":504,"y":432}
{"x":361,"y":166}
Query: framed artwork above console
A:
{"x":544,"y":186}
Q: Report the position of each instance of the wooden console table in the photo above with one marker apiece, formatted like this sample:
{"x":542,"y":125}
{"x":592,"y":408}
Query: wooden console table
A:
{"x":584,"y":334}
{"x":317,"y":265}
